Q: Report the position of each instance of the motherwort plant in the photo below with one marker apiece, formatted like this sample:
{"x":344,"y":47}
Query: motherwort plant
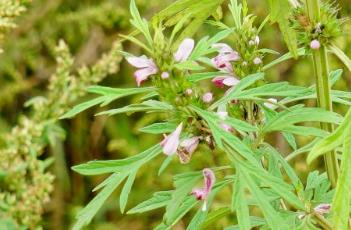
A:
{"x":231,"y":117}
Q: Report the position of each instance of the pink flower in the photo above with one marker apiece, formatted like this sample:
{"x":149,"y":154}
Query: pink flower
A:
{"x":202,"y":193}
{"x":190,"y":144}
{"x":221,"y":81}
{"x":146,"y":68}
{"x":171,"y":142}
{"x":315,"y":44}
{"x":207,"y":97}
{"x":225,"y":56}
{"x":223,"y":62}
{"x":271,"y":103}
{"x":322,"y":209}
{"x":184,"y":50}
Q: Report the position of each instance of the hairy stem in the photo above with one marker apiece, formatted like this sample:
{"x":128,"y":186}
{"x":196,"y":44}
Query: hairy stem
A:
{"x":321,"y":70}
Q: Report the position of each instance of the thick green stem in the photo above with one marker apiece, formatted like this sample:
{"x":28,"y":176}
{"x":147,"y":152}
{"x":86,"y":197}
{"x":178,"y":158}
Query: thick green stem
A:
{"x":321,"y":70}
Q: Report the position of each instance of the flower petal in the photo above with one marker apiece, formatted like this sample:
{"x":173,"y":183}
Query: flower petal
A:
{"x":218,"y":81}
{"x":199,"y":193}
{"x":230,"y":81}
{"x":143,"y":74}
{"x":184,"y":50}
{"x":190,"y":144}
{"x":222,"y":47}
{"x":209,"y":178}
{"x":322,"y":209}
{"x":170,"y":143}
{"x":140,"y":62}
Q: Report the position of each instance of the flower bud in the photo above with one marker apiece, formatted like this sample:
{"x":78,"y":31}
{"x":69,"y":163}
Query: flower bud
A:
{"x":315,"y":44}
{"x":188,"y":92}
{"x":257,"y":40}
{"x":257,"y":61}
{"x":322,"y":209}
{"x":165,"y":75}
{"x":207,"y":97}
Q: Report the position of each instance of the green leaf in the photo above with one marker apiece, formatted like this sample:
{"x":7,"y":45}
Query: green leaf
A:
{"x":268,"y":51}
{"x":285,"y":57}
{"x":332,"y":141}
{"x":108,"y":95}
{"x":215,"y":216}
{"x":188,"y":203}
{"x":341,"y":203}
{"x":341,"y":55}
{"x":184,"y":183}
{"x":289,"y":137}
{"x":240,"y":205}
{"x":195,"y":77}
{"x":137,"y":42}
{"x":302,"y":150}
{"x":108,"y":91}
{"x":123,"y":198}
{"x":283,"y":89}
{"x":305,"y":131}
{"x":200,"y":216}
{"x":272,"y":217}
{"x":280,"y":13}
{"x":255,"y":222}
{"x":240,"y":125}
{"x":139,"y":23}
{"x":335,"y":75}
{"x":165,"y":164}
{"x":85,"y":216}
{"x":188,"y":65}
{"x":110,"y":166}
{"x":147,"y":106}
{"x":159,"y":128}
{"x":204,"y":46}
{"x":277,"y":184}
{"x":84,"y":106}
{"x":195,"y":13}
{"x":284,"y":120}
{"x":158,"y":200}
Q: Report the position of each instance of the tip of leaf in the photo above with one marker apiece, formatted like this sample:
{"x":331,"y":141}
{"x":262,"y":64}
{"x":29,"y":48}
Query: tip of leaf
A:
{"x":65,"y":116}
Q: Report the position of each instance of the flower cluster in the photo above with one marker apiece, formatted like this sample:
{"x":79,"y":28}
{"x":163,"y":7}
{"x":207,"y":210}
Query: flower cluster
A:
{"x":26,"y":189}
{"x":324,"y":32}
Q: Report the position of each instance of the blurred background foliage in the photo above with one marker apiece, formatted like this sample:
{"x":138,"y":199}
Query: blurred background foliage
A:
{"x":89,"y":27}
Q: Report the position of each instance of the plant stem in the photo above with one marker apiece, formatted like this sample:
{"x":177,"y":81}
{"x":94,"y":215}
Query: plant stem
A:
{"x":324,"y":223}
{"x":321,"y":70}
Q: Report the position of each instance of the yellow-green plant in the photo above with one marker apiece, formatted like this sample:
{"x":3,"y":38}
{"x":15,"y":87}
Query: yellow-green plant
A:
{"x":25,"y":183}
{"x":9,"y":10}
